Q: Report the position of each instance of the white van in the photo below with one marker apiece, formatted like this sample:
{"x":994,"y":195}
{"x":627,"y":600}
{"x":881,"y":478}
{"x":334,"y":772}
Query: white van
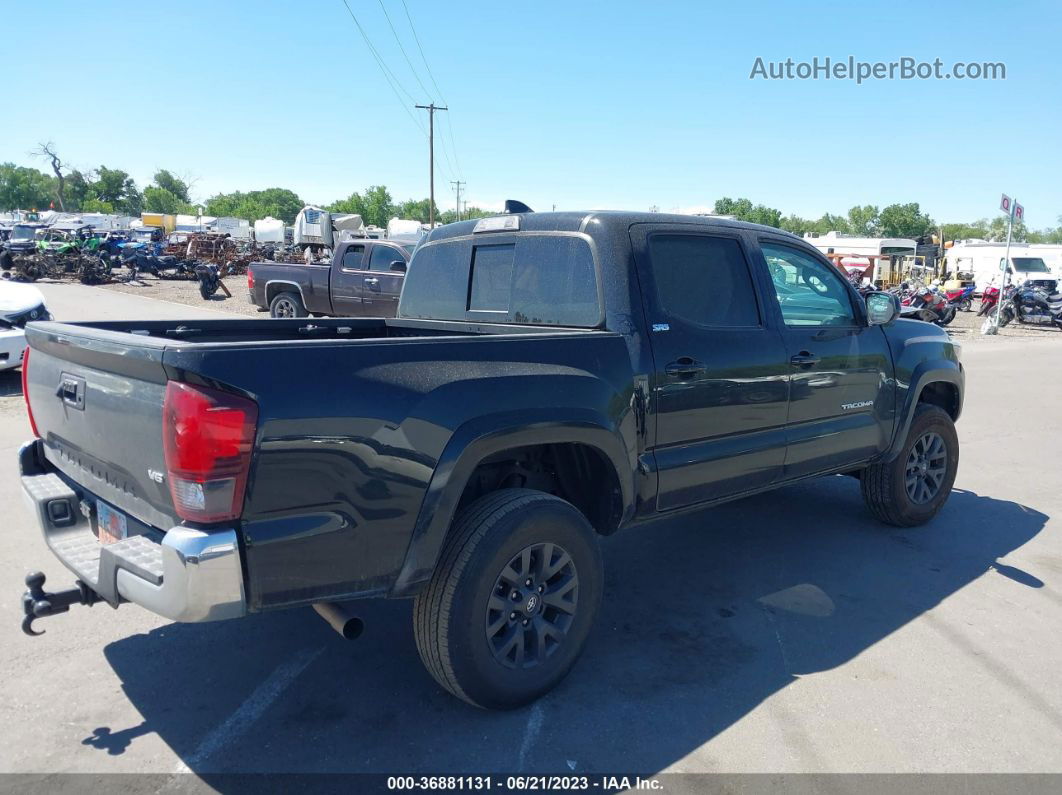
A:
{"x":985,"y":261}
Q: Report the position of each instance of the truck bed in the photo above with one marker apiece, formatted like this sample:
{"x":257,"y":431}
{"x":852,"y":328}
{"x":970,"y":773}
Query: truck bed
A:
{"x":353,"y":417}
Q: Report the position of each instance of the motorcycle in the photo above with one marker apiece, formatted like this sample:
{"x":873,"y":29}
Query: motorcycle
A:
{"x":925,"y":304}
{"x":961,"y":299}
{"x":209,"y":281}
{"x":990,"y":297}
{"x":1032,"y":306}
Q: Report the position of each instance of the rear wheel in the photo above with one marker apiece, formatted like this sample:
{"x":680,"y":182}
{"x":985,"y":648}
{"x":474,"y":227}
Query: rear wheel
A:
{"x":287,"y":305}
{"x":512,"y":600}
{"x":965,"y":305}
{"x":912,"y":488}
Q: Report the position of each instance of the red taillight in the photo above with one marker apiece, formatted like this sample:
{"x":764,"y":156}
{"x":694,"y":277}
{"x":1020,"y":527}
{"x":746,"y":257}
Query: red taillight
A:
{"x":25,"y":391}
{"x":250,"y":280}
{"x":207,"y":438}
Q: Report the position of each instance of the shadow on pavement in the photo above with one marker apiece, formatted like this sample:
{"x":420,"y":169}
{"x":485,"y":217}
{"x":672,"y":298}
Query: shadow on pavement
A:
{"x":704,"y":617}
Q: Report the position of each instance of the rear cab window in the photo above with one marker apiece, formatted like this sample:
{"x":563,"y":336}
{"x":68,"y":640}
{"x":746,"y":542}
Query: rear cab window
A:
{"x":537,"y":278}
{"x":353,"y":258}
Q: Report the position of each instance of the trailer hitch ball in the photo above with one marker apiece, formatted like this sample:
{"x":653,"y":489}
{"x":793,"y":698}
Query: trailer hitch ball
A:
{"x":38,"y":603}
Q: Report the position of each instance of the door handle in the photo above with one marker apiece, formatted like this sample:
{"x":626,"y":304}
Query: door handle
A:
{"x":685,"y":366}
{"x":371,"y":280}
{"x":804,"y":359}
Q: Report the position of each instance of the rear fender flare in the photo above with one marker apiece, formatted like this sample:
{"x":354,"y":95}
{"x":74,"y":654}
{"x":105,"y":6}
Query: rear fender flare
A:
{"x":480,"y":438}
{"x":270,"y":294}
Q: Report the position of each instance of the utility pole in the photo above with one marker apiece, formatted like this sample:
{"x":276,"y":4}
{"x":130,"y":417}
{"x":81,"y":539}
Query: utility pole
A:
{"x":431,"y":157}
{"x":458,"y":183}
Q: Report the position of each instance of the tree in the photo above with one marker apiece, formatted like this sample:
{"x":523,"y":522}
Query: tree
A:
{"x":997,"y":230}
{"x":376,"y":207}
{"x":276,"y":202}
{"x":416,"y":210}
{"x":978,"y":229}
{"x":116,"y":188}
{"x":23,"y":188}
{"x":797,"y":225}
{"x":449,"y":216}
{"x":160,"y":200}
{"x":864,"y":220}
{"x":168,"y":182}
{"x":905,"y":220}
{"x":48,"y":151}
{"x":745,"y":210}
{"x":78,"y":189}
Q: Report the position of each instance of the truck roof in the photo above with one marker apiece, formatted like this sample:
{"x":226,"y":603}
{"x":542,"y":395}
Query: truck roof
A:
{"x":614,"y":220}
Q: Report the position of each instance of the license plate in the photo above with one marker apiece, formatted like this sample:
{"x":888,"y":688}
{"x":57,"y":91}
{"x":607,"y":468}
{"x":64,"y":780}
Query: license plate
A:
{"x":110,"y":523}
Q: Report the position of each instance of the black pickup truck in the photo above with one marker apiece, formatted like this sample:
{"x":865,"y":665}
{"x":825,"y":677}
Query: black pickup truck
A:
{"x":549,"y":378}
{"x":364,"y":279}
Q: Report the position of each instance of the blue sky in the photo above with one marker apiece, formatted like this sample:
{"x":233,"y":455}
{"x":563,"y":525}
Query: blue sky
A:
{"x":578,"y":104}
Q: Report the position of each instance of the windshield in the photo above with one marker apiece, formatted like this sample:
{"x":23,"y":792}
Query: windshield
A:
{"x":23,"y":233}
{"x":143,"y":234}
{"x":1030,"y":265}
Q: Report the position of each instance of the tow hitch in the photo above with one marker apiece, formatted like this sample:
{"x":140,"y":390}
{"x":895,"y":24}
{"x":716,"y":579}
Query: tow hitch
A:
{"x":36,"y":603}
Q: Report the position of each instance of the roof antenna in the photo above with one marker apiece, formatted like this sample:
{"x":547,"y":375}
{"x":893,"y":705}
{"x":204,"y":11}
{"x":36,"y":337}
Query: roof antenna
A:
{"x":513,"y":206}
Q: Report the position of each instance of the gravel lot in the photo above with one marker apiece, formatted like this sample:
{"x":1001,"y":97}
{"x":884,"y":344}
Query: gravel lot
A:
{"x":187,"y":292}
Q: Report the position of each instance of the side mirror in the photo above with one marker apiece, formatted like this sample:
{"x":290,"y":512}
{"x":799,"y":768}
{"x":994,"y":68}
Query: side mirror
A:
{"x":882,"y":308}
{"x":398,"y":266}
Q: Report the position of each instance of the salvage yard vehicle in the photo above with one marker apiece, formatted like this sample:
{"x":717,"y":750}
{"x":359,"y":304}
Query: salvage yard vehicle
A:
{"x":364,"y":279}
{"x":549,"y":378}
{"x":19,"y":304}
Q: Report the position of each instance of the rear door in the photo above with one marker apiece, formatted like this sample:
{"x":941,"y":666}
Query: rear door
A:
{"x":841,"y":405}
{"x":347,"y":282}
{"x":720,"y":381}
{"x":383,"y":283}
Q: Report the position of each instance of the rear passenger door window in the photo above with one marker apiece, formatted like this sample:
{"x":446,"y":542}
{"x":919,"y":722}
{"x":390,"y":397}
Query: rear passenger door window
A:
{"x":703,"y":280}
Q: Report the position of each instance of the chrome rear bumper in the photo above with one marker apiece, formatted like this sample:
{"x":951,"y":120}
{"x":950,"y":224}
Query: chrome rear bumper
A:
{"x":186,"y":575}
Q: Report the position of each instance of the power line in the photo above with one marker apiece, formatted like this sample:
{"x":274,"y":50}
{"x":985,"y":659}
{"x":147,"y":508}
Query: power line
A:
{"x":402,"y":49}
{"x":416,"y":38}
{"x":396,"y":85}
{"x":434,"y":82}
{"x":392,"y":81}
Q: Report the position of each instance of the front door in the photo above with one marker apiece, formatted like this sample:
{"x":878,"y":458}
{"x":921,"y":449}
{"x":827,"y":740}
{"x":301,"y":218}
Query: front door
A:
{"x":841,"y":397}
{"x":382,"y":284}
{"x":347,"y":283}
{"x":720,"y":386}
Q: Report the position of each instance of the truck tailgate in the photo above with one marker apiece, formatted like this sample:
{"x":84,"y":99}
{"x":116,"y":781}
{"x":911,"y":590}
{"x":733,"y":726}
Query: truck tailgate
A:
{"x":97,"y":400}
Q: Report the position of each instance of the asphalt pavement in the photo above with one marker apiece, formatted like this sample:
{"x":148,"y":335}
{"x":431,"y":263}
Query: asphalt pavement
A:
{"x":788,"y":632}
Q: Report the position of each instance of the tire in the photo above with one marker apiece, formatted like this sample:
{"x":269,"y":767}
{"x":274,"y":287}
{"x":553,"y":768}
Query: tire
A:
{"x":463,"y":619}
{"x":1005,"y":316}
{"x":947,"y":316}
{"x":885,"y":487}
{"x":287,"y":305}
{"x":966,"y":305}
